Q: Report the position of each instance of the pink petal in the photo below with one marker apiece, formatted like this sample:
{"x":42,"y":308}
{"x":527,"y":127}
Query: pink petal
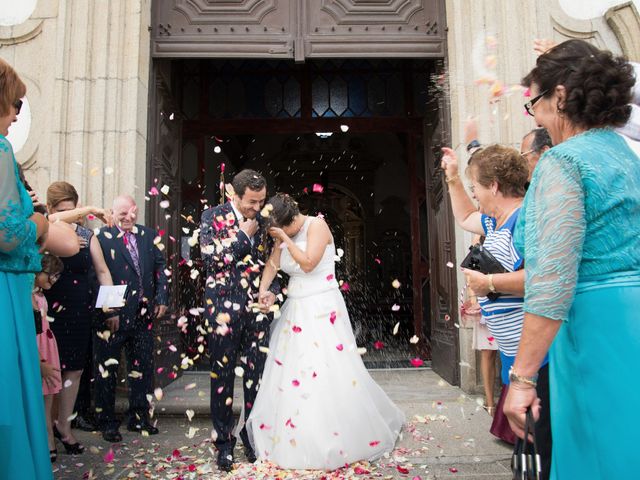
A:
{"x":339,"y":347}
{"x":374,"y":443}
{"x":108,"y":457}
{"x":317,"y":188}
{"x":295,"y":383}
{"x":417,"y":362}
{"x":378,"y":345}
{"x":330,"y":277}
{"x":296,"y":329}
{"x":332,"y":318}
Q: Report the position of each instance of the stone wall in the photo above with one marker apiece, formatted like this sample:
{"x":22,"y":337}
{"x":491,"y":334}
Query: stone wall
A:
{"x":86,"y":66}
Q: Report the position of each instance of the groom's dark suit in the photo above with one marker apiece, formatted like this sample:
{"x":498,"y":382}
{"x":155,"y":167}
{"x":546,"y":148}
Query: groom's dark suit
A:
{"x":233,"y":264}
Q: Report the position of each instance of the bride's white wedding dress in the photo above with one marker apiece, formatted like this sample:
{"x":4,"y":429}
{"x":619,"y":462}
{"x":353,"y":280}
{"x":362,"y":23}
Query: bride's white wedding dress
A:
{"x":317,"y":406}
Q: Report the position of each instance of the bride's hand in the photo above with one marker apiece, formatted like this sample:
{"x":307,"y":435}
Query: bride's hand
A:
{"x":278,"y":234}
{"x":266,"y":300}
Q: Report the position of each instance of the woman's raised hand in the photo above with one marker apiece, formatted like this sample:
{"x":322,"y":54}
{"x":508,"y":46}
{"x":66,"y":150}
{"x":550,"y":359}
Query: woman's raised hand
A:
{"x":104,"y":215}
{"x":278,"y":234}
{"x":449,"y":162}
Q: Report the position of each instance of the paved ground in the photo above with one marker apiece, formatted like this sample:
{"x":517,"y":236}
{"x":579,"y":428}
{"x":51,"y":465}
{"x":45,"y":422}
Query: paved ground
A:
{"x":446,"y":437}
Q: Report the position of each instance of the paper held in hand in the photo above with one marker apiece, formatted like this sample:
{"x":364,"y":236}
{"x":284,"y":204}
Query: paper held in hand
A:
{"x":111,"y":296}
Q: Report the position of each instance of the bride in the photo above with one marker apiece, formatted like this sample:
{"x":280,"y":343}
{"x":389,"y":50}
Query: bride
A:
{"x":317,"y":407}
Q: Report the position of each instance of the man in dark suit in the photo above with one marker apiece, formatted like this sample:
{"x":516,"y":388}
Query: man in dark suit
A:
{"x":133,"y":260}
{"x":233,"y":243}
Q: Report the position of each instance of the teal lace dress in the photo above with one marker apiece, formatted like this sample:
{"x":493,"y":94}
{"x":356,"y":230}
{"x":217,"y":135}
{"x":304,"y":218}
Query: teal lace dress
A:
{"x":579,"y":231}
{"x":23,"y":434}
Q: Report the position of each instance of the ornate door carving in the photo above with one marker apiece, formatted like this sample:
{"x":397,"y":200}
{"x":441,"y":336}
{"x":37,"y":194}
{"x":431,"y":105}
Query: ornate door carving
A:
{"x":223,"y":28}
{"x":298,"y":28}
{"x":372,"y":28}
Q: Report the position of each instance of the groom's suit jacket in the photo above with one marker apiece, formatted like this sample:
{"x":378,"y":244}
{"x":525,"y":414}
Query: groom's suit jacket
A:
{"x":233,"y":262}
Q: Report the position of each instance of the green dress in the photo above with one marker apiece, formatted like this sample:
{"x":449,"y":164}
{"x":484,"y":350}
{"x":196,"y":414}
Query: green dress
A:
{"x":579,"y":231}
{"x":24,"y":453}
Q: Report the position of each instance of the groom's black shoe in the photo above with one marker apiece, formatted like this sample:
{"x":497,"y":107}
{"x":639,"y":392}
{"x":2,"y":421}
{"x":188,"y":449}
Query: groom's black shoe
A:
{"x":250,"y":454}
{"x":225,"y":460}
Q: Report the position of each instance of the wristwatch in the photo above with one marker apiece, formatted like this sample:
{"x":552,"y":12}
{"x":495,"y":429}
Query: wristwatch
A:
{"x":473,"y":144}
{"x":514,"y":377}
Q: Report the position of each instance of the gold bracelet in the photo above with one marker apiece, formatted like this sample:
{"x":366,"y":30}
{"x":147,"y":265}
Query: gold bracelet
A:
{"x":492,"y":289}
{"x":452,"y":179}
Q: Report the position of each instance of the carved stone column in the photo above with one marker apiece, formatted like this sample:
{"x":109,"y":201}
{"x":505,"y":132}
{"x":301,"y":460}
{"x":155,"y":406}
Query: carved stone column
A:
{"x":86,"y":66}
{"x":101,"y":88}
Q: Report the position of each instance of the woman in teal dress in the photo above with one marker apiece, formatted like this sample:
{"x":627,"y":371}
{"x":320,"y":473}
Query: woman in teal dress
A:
{"x":23,"y":435}
{"x":579,"y":231}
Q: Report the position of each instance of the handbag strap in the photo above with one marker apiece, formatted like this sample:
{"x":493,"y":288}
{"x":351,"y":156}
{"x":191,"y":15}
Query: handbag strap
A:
{"x":525,"y":462}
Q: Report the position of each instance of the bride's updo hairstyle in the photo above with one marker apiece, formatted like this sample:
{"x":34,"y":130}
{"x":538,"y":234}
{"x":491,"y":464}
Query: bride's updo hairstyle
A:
{"x":598,"y":84}
{"x":285,"y":209}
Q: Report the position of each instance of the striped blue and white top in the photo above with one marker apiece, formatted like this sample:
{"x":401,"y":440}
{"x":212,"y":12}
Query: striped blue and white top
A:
{"x":504,"y":316}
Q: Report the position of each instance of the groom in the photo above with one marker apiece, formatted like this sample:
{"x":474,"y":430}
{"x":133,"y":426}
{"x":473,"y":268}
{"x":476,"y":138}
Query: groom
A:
{"x":233,"y":245}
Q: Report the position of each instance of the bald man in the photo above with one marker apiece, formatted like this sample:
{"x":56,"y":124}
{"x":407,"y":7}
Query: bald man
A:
{"x":533,"y":145}
{"x":133,"y":260}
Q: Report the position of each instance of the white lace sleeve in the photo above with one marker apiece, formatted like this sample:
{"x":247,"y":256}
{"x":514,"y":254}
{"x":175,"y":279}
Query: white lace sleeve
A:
{"x":554,"y":237}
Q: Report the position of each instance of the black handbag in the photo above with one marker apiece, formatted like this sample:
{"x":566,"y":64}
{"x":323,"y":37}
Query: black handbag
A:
{"x":481,"y":260}
{"x":525,"y":461}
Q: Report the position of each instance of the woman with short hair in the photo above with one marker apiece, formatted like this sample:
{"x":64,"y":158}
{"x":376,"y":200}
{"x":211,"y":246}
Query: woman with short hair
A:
{"x":498,"y":175}
{"x":580,"y":233}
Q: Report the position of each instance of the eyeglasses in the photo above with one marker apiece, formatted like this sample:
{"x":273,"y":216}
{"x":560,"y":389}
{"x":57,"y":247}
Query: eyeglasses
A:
{"x":528,"y":152}
{"x":529,"y":105}
{"x":53,"y":277}
{"x":18,"y":105}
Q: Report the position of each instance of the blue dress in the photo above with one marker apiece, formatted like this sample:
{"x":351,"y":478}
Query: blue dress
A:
{"x":24,"y":452}
{"x":580,"y":232}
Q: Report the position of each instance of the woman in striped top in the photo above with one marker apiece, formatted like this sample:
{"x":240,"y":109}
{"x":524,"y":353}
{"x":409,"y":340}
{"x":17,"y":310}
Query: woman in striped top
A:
{"x":497,"y":175}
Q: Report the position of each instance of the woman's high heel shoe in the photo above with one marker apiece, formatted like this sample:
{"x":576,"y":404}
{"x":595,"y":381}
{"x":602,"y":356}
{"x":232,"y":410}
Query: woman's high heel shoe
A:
{"x":53,"y":455}
{"x":490,"y":410}
{"x":71,"y":448}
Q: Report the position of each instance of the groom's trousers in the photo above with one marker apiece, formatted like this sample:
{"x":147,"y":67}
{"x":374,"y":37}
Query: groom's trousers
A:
{"x":244,"y":339}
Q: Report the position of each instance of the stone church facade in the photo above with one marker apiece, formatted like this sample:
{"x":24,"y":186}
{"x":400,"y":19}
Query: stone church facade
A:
{"x":102,"y":78}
